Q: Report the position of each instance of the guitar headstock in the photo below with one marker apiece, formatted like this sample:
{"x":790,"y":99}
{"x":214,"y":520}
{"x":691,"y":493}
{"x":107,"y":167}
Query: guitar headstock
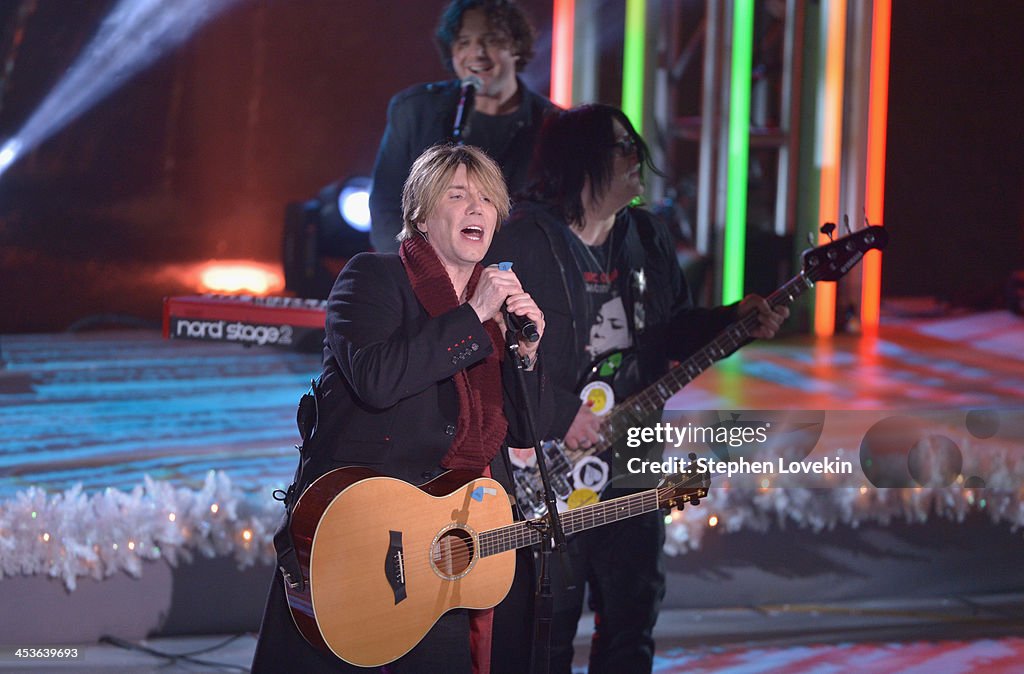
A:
{"x":831,"y":261}
{"x":675,"y":491}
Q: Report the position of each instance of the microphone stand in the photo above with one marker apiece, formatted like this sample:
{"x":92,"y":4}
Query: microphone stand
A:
{"x":552,"y":536}
{"x":466,"y":98}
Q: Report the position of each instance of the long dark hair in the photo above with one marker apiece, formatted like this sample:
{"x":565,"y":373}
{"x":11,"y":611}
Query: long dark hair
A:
{"x":574,"y":145}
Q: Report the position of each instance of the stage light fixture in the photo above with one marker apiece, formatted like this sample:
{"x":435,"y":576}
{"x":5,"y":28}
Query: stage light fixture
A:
{"x":344,"y":227}
{"x":322,"y":233}
{"x":354,"y":203}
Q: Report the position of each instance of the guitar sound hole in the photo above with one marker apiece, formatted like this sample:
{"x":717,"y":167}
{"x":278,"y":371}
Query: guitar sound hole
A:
{"x":452,"y":554}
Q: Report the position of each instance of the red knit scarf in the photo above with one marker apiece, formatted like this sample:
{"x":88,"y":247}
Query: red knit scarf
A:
{"x":482,"y":424}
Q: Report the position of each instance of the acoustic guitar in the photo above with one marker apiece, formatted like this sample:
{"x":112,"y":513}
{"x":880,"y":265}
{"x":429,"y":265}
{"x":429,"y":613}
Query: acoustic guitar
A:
{"x":382,"y":559}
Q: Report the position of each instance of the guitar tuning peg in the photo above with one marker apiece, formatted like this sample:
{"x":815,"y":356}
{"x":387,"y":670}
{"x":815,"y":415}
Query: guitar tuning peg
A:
{"x":695,"y":501}
{"x":846,"y":223}
{"x":827,"y":230}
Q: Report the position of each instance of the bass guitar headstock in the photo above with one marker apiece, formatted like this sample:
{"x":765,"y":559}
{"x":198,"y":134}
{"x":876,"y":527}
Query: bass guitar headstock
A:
{"x":831,"y":261}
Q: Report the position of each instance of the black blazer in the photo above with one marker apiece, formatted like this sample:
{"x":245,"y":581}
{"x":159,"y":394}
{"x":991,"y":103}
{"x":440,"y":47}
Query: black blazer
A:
{"x":387,"y":398}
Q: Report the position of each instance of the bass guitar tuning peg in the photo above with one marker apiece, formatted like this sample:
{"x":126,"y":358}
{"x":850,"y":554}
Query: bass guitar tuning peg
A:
{"x":827,"y":230}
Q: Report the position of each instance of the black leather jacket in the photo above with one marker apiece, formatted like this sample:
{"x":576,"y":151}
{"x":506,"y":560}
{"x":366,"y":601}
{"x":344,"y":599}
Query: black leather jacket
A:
{"x":535,"y":239}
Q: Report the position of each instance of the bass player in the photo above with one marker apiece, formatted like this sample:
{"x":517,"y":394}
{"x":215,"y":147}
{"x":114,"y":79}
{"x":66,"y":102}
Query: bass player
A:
{"x":607,"y":276}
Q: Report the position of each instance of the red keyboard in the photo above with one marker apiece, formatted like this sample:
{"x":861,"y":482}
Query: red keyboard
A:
{"x":243,"y":319}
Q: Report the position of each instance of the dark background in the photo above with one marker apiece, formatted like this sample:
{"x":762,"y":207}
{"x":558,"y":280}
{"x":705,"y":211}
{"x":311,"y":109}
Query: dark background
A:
{"x":195,"y":157}
{"x":954,"y":183}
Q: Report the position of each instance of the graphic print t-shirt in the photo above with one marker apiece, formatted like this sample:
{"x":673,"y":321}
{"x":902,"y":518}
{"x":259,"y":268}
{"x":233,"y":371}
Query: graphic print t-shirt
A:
{"x":606,"y":313}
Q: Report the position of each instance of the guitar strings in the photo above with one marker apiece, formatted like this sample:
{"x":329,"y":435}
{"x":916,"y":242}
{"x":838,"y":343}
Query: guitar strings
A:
{"x":461,"y":557}
{"x":517,"y":531}
{"x":652,"y":396}
{"x":647,"y":396}
{"x":729,"y":339}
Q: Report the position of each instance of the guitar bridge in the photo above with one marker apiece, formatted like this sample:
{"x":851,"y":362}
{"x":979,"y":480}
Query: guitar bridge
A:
{"x":394,"y":566}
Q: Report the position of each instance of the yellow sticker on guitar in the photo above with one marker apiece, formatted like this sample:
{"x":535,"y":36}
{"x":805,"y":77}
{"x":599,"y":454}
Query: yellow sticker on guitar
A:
{"x":581,"y":497}
{"x":600,"y":396}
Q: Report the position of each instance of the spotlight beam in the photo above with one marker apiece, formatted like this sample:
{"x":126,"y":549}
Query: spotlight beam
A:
{"x":134,"y":35}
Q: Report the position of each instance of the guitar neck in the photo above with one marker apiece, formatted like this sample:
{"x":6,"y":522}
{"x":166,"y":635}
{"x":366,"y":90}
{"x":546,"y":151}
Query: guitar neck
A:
{"x":522,"y":534}
{"x":653,"y":398}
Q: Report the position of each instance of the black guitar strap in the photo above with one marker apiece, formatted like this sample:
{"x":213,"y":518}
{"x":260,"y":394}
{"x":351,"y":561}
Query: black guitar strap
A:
{"x":306,"y":419}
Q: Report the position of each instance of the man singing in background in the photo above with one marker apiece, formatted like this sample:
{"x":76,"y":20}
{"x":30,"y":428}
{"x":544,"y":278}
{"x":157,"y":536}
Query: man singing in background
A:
{"x":485,"y":43}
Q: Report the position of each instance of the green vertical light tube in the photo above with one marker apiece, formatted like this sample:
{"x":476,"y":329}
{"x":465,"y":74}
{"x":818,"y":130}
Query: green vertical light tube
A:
{"x":633,"y":63}
{"x":734,"y":249}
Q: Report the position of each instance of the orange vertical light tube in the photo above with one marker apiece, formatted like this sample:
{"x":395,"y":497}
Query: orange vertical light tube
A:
{"x":562,"y":27}
{"x":831,"y":151}
{"x":874,"y":197}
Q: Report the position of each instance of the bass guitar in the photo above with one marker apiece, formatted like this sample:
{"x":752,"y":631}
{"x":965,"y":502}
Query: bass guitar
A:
{"x":578,"y":476}
{"x":382,"y":559}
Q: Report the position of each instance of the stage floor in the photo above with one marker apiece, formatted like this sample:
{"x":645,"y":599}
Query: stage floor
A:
{"x":104,"y":410}
{"x":949,"y":637}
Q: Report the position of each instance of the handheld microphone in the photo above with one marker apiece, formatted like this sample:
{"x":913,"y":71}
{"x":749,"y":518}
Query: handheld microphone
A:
{"x":521,"y":325}
{"x":466,"y":95}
